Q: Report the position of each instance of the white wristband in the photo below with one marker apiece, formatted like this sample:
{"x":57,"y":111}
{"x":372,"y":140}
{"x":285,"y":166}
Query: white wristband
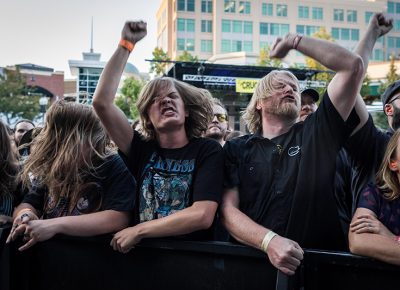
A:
{"x":267,"y":239}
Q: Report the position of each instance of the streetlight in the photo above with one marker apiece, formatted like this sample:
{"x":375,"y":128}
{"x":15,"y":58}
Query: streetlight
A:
{"x":43,"y":101}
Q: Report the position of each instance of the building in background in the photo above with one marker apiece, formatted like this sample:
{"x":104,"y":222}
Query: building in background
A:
{"x":234,"y":31}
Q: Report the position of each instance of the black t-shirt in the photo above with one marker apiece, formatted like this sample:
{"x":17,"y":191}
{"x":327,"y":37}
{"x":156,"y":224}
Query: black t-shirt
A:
{"x":170,"y":180}
{"x":111,"y":188}
{"x":285,"y":183}
{"x":357,"y":165}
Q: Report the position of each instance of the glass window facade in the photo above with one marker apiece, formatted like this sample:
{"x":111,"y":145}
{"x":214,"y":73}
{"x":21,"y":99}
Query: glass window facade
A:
{"x":281,"y":10}
{"x":267,"y":9}
{"x":244,"y":7}
{"x":352,"y":16}
{"x":303,"y":12}
{"x":338,"y":14}
{"x":206,"y":45}
{"x":206,"y":6}
{"x":317,"y":13}
{"x":229,"y":6}
{"x":206,"y":26}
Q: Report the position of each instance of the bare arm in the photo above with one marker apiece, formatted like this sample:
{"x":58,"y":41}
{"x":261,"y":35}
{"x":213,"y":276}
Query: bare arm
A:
{"x":82,"y":225}
{"x":368,"y":237}
{"x":348,"y":66}
{"x":111,"y":116}
{"x":283,"y":253}
{"x":199,"y":216}
{"x":378,"y":26}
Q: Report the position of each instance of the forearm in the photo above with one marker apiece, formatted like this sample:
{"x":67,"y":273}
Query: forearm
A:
{"x":110,"y":78}
{"x":376,"y":246}
{"x":329,"y":54}
{"x":93,"y":224}
{"x":243,"y":228}
{"x":199,"y":216}
{"x":24,"y":206}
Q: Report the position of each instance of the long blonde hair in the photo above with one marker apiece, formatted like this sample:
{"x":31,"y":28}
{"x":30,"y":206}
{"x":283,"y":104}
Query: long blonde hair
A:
{"x":8,"y":163}
{"x":387,"y":179}
{"x":67,"y":151}
{"x":264,"y":89}
{"x":196,"y":102}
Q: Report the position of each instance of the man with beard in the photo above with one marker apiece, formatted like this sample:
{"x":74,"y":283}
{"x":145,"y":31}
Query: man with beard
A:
{"x":277,"y":194}
{"x":309,"y":99}
{"x":218,"y":127}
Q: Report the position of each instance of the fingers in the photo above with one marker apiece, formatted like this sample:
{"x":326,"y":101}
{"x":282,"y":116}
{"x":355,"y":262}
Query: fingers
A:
{"x":27,"y":245}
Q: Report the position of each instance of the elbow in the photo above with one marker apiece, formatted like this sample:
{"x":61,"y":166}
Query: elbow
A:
{"x":358,"y":68}
{"x":98,"y":104}
{"x":205,"y":218}
{"x":356,"y":245}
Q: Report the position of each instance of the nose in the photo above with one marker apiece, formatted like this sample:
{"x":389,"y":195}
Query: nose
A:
{"x":288,"y":88}
{"x":166,"y":100}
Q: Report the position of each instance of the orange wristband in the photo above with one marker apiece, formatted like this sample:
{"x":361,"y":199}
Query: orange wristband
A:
{"x":127,"y":44}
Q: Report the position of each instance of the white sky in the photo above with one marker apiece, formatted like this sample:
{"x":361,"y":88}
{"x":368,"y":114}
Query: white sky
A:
{"x":51,"y":32}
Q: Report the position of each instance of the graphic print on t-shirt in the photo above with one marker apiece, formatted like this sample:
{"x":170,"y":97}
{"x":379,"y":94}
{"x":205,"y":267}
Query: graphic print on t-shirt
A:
{"x":165,"y":188}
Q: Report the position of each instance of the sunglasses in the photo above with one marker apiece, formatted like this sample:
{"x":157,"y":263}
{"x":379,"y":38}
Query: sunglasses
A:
{"x":221,"y":117}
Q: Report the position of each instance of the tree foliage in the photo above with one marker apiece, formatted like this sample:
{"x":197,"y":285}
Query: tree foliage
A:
{"x":14,"y":100}
{"x":129,"y":95}
{"x":158,"y":65}
{"x":265,"y":60}
{"x":391,"y":76}
{"x":187,"y":56}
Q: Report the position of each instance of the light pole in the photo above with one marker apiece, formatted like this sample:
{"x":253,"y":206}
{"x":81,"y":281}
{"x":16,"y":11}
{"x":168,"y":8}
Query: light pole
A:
{"x":43,"y":101}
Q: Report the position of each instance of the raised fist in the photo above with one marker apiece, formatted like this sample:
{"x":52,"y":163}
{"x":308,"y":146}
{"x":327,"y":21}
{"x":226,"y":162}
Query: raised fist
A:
{"x":281,"y":46}
{"x":380,"y":23}
{"x":134,"y":31}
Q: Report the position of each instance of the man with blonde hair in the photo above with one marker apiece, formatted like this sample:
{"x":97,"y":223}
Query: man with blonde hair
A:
{"x":278,"y":184}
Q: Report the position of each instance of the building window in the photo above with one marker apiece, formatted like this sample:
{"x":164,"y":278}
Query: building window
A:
{"x":352,"y":16}
{"x":247,"y":27}
{"x":378,"y":54}
{"x":397,"y":25}
{"x":317,"y":13}
{"x":237,"y":26}
{"x":229,"y":6}
{"x":225,"y":45}
{"x":264,"y":28}
{"x":248,"y":46}
{"x":185,"y":25}
{"x":244,"y":7}
{"x":345,"y":34}
{"x":281,"y":10}
{"x":390,"y":7}
{"x":267,"y":9}
{"x":206,"y":45}
{"x":226,"y":25}
{"x":236,"y":45}
{"x":393,"y":42}
{"x":185,"y":44}
{"x":307,"y":29}
{"x":303,"y":12}
{"x":264,"y":45}
{"x":368,"y":16}
{"x":338,"y":14}
{"x":206,"y":6}
{"x":185,"y":5}
{"x":206,"y":26}
{"x":279,"y":29}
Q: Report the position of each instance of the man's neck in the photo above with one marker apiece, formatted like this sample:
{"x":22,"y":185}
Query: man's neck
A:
{"x":172,"y":139}
{"x":274,"y":126}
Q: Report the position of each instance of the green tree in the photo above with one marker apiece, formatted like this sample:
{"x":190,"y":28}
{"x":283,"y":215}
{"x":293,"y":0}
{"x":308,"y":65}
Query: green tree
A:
{"x":391,"y":76}
{"x":265,"y":60}
{"x":366,"y":90}
{"x":187,"y":56}
{"x":15,"y":102}
{"x":159,"y":62}
{"x":129,"y":95}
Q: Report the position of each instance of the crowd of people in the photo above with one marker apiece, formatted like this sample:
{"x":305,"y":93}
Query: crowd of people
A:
{"x":308,"y":175}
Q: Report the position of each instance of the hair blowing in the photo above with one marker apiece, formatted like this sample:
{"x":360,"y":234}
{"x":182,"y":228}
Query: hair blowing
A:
{"x":387,"y":179}
{"x":196,"y":101}
{"x":66,"y":152}
{"x":8,"y":163}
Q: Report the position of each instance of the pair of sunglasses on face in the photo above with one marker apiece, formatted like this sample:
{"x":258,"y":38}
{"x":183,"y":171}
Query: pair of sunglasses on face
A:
{"x":221,"y":117}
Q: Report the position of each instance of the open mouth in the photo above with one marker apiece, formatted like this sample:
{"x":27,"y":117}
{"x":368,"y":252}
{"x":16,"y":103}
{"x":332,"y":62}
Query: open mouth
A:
{"x":167,"y":110}
{"x":289,"y":97}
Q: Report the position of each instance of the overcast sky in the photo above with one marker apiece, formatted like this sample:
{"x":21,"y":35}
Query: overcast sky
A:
{"x":51,"y":32}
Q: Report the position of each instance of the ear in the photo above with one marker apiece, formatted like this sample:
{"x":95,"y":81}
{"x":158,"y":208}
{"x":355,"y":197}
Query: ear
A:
{"x":186,"y":113}
{"x":258,"y":105}
{"x":388,"y":109}
{"x":393,"y":165}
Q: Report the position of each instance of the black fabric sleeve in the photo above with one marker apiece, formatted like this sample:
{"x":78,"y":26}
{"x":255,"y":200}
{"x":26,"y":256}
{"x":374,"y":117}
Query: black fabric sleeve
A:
{"x":367,"y":146}
{"x":327,"y":123}
{"x":369,"y":199}
{"x":119,"y":186}
{"x":35,"y":196}
{"x":209,"y":173}
{"x":231,"y":166}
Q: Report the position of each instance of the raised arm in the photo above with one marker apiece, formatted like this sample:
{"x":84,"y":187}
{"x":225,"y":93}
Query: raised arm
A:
{"x":348,"y":66}
{"x":111,"y":116}
{"x":377,"y":27}
{"x":369,"y":237}
{"x":283,"y":253}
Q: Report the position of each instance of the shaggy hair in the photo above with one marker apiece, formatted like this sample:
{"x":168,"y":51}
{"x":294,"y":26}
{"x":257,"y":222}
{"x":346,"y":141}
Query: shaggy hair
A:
{"x":8,"y":163}
{"x":67,"y":152}
{"x":264,"y":89}
{"x":387,"y":179}
{"x":196,"y":101}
